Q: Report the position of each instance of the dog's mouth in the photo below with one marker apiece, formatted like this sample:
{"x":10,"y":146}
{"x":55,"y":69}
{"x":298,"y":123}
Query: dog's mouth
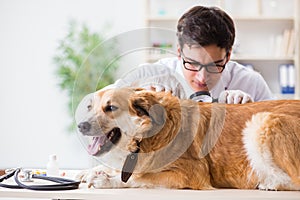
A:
{"x":104,"y":143}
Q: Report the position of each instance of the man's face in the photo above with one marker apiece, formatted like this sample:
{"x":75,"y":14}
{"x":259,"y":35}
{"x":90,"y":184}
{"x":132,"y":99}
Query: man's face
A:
{"x":209,"y":56}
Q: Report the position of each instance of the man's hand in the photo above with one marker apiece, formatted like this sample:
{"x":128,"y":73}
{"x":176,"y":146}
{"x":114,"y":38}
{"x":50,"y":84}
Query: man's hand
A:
{"x":234,"y":97}
{"x":162,"y":83}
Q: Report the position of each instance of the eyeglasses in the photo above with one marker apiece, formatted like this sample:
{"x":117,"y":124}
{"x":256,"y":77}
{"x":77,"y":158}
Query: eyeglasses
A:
{"x":212,"y":67}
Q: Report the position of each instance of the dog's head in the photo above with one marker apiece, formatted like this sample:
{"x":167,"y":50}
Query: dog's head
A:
{"x":116,"y":117}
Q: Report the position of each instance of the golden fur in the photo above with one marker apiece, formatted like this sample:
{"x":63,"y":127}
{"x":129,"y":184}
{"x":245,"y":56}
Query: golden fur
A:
{"x":185,"y":144}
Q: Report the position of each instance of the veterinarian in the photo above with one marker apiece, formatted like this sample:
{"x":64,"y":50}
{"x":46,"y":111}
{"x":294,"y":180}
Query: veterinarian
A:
{"x":205,"y":39}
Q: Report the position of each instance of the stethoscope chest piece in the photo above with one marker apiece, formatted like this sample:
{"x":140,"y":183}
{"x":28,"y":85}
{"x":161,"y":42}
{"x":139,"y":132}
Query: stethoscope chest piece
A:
{"x":202,"y":96}
{"x":27,"y":176}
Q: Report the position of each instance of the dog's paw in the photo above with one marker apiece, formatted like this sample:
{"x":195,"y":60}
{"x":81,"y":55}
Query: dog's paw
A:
{"x":101,"y":180}
{"x":94,"y":178}
{"x":97,"y":177}
{"x":84,"y":175}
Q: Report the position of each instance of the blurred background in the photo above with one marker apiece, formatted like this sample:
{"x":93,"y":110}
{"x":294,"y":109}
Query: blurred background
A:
{"x":37,"y":51}
{"x":34,"y":116}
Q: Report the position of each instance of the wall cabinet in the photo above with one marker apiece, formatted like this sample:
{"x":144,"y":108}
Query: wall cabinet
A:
{"x":267,"y":34}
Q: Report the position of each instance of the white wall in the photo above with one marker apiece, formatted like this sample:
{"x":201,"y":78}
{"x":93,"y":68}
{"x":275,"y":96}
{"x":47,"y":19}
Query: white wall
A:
{"x":33,"y":110}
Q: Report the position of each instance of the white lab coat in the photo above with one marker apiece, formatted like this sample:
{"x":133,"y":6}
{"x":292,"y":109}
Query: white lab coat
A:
{"x":167,"y":73}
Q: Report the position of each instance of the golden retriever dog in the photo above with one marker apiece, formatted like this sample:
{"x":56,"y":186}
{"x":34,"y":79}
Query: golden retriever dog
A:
{"x":153,"y":139}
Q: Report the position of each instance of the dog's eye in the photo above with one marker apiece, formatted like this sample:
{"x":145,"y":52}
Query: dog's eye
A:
{"x":110,"y":108}
{"x":90,"y":105}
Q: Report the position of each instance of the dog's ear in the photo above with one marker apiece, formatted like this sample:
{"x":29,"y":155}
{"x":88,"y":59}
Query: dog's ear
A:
{"x":158,"y":114}
{"x":147,"y":105}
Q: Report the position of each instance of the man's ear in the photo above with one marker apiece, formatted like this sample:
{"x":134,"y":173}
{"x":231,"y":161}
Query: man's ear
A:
{"x":145,"y":104}
{"x":229,"y":54}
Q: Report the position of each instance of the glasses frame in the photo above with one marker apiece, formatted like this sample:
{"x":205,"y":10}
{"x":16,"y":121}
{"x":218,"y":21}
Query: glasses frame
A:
{"x":206,"y":66}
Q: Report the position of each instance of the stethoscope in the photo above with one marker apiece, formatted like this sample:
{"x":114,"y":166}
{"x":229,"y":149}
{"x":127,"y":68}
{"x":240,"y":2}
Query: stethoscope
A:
{"x":62,"y":183}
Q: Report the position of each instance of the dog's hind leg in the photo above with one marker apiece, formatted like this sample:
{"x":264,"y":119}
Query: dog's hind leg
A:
{"x":272,"y":142}
{"x":284,"y":145}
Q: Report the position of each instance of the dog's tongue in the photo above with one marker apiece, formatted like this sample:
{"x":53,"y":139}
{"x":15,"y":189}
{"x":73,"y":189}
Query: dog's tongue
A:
{"x":97,"y":142}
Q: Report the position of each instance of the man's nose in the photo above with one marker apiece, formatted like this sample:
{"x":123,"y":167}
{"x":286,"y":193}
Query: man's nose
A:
{"x":202,"y":74}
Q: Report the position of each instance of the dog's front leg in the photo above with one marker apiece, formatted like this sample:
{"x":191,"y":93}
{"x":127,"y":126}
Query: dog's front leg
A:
{"x":103,"y":180}
{"x":181,"y":174}
{"x":98,"y":176}
{"x":175,"y":180}
{"x":102,"y":177}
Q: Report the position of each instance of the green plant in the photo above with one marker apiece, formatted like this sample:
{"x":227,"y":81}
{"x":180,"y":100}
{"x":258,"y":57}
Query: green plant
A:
{"x":85,"y":63}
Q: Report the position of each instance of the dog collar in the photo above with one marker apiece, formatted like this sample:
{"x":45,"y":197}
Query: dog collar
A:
{"x":129,"y":164}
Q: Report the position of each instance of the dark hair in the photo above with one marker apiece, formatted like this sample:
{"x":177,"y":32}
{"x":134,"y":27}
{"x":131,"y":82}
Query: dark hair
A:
{"x":206,"y":26}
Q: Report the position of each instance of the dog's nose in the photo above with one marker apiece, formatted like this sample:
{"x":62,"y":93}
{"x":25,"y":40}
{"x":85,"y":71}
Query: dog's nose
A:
{"x":84,"y":127}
